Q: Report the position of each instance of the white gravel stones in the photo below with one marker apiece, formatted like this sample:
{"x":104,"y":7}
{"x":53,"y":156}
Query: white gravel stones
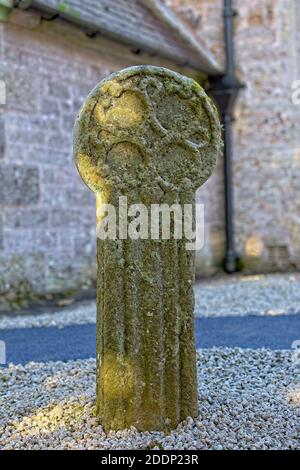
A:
{"x":248,"y":399}
{"x":276,"y":294}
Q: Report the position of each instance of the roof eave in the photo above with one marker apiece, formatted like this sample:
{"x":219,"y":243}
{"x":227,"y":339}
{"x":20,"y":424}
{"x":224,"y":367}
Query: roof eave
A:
{"x":206,"y":65}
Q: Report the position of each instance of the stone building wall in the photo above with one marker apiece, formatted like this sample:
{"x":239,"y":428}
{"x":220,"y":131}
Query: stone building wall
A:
{"x":267,"y":128}
{"x":267,"y":137}
{"x":47,"y":215}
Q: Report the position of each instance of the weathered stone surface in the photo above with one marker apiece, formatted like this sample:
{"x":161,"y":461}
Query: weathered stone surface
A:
{"x":151,"y":135}
{"x":19,"y":185}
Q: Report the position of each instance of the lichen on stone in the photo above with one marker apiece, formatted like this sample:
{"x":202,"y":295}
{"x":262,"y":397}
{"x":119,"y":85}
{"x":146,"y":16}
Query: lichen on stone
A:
{"x":151,"y":135}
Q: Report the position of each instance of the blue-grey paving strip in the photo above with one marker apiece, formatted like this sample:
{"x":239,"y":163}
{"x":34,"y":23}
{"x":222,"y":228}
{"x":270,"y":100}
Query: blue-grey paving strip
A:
{"x":78,"y":341}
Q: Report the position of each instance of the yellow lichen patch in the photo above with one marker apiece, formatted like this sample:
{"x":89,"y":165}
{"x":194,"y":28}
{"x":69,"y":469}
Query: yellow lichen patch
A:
{"x":126,"y":111}
{"x":88,"y":173}
{"x":111,"y":87}
{"x":105,"y":135}
{"x":113,"y":367}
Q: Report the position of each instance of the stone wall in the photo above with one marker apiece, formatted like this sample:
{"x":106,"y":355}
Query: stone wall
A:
{"x":267,"y":137}
{"x":47,"y":216}
{"x":47,"y":220}
{"x":266,"y":131}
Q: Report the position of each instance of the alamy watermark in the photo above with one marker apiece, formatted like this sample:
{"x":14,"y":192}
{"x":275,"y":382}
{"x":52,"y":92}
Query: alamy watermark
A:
{"x":2,"y":92}
{"x":2,"y":352}
{"x":159,"y":222}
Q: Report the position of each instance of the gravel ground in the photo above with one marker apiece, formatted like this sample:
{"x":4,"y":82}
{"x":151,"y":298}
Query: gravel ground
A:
{"x":277,"y":294}
{"x":248,"y":399}
{"x":79,"y":313}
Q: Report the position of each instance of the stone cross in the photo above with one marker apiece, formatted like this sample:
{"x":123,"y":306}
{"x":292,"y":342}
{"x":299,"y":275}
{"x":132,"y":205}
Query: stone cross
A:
{"x":151,"y":135}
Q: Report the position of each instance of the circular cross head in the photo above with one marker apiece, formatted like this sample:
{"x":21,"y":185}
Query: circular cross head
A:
{"x":146,"y":125}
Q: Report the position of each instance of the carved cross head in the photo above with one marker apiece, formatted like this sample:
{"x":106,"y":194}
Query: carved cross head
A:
{"x":146,"y":131}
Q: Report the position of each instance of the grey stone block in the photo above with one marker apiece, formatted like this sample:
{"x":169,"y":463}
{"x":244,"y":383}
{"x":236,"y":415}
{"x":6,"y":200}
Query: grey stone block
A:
{"x":85,"y":243}
{"x":60,"y":175}
{"x":50,"y":107}
{"x":73,"y":218}
{"x":30,"y":241}
{"x":64,"y":273}
{"x":21,"y":89}
{"x":26,"y":218}
{"x":80,"y":197}
{"x":19,"y":185}
{"x":57,"y":89}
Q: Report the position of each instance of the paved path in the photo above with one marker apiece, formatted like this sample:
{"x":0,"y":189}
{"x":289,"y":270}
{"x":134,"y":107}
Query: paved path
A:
{"x":78,"y":341}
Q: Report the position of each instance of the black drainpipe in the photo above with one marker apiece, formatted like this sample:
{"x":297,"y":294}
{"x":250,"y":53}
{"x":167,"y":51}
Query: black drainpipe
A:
{"x":225,"y":90}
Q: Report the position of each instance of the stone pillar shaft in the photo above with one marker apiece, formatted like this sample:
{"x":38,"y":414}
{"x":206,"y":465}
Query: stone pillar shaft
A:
{"x":150,"y":135}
